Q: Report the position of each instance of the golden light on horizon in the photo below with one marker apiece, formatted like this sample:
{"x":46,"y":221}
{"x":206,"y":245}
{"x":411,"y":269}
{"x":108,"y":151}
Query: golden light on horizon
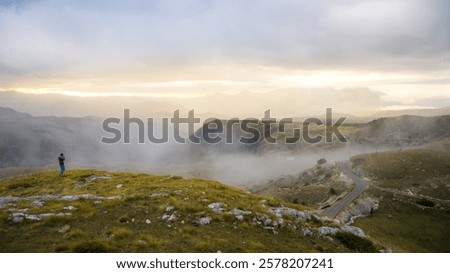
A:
{"x":265,"y":79}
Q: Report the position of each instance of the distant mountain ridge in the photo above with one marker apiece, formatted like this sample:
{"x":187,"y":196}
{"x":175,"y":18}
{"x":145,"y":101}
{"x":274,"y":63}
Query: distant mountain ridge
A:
{"x":290,"y":103}
{"x":414,"y":112}
{"x":36,"y":141}
{"x":400,"y":131}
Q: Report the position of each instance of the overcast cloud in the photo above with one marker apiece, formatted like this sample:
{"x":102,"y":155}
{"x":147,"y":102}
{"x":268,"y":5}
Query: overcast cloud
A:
{"x":45,"y":41}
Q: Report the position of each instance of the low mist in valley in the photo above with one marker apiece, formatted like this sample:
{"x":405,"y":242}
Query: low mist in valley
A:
{"x":36,"y":141}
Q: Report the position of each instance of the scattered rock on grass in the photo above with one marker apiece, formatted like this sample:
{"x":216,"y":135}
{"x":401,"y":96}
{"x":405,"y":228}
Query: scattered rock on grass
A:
{"x":142,"y":242}
{"x":306,"y":231}
{"x":64,"y":229}
{"x":17,"y":219}
{"x":204,"y":221}
{"x":238,"y":212}
{"x":217,"y":207}
{"x":37,"y":217}
{"x":38,"y":203}
{"x":169,"y":217}
{"x":96,"y":177}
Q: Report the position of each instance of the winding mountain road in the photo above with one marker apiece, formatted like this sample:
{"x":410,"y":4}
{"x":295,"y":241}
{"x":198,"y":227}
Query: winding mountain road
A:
{"x":360,"y":186}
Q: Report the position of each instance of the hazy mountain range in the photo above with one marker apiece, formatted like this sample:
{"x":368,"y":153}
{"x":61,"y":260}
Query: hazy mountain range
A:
{"x":359,"y":104}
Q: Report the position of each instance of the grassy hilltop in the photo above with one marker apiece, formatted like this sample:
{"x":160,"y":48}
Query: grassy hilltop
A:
{"x":97,"y":211}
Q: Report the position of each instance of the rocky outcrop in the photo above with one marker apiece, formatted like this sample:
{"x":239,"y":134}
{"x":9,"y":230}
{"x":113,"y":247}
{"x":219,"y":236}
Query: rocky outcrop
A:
{"x":359,"y":208}
{"x":330,"y":231}
{"x":325,"y":231}
{"x":89,"y":197}
{"x":354,"y":230}
{"x":38,"y":200}
{"x":18,"y":217}
{"x":279,"y":212}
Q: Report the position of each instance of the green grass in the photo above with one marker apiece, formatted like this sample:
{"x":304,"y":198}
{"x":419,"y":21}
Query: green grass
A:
{"x":402,"y":222}
{"x":356,"y":243}
{"x":120,"y":225}
{"x":406,"y":164}
{"x":405,"y":227}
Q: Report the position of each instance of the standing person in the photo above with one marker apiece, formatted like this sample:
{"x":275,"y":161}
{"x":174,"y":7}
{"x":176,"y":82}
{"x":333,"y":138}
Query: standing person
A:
{"x":61,"y":159}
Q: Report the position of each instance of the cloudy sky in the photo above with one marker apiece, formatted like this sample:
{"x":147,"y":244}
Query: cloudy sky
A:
{"x":191,"y":48}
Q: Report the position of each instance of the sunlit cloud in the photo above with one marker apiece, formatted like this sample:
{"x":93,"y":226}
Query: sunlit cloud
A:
{"x":195,"y":48}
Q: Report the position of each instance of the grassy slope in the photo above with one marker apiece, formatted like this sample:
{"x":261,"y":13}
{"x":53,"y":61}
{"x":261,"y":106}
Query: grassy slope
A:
{"x":401,"y":222}
{"x":405,"y":227}
{"x":120,"y":225}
